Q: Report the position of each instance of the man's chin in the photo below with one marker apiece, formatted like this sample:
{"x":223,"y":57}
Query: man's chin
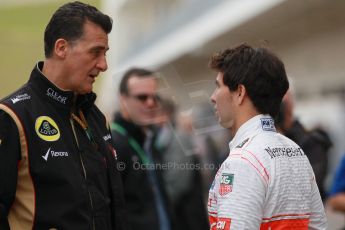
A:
{"x":84,"y":91}
{"x":146,"y":122}
{"x":226,"y":124}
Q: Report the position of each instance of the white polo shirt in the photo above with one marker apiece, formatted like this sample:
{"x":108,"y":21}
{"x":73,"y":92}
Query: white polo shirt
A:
{"x":265,"y":183}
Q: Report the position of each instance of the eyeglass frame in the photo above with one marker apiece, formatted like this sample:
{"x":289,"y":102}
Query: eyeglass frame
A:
{"x":143,"y":97}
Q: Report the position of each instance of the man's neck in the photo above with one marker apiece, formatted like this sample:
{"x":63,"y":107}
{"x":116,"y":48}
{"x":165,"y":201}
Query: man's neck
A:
{"x":241,"y":119}
{"x":51,"y":71}
{"x":127,"y":118}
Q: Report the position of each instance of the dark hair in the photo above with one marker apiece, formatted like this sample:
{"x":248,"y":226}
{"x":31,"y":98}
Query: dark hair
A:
{"x":280,"y":117}
{"x":68,"y":23}
{"x":260,"y":71}
{"x":137,"y":72}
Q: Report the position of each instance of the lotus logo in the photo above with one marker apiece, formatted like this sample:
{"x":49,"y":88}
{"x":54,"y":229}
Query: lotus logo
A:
{"x":47,"y":129}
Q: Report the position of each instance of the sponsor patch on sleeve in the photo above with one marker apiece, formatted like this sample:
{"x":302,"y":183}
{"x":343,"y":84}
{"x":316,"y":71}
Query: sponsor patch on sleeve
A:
{"x":21,"y":97}
{"x":223,"y":223}
{"x":226,"y":184}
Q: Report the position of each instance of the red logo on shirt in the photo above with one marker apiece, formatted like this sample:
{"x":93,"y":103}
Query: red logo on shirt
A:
{"x":223,"y":224}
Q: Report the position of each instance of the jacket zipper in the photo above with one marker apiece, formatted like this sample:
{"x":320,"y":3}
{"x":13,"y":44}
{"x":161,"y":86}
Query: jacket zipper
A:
{"x":84,"y":171}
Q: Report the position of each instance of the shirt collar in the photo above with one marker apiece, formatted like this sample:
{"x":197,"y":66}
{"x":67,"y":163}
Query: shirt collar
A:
{"x":56,"y":95}
{"x":258,"y":123}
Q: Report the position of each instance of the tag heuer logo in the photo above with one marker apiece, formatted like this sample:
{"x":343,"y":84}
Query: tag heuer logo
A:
{"x":47,"y":129}
{"x":226,"y":183}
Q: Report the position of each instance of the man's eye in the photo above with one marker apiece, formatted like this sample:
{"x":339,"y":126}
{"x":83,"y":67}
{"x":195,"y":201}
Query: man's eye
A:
{"x":96,"y":52}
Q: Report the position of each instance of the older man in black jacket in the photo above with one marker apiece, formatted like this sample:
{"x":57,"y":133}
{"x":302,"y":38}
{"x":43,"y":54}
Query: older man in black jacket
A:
{"x":57,"y":163}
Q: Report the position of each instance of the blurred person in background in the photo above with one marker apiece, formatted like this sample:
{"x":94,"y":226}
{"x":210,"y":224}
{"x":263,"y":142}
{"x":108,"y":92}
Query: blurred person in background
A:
{"x":315,"y":143}
{"x":133,"y":130}
{"x":336,"y":196}
{"x":182,"y":176}
{"x":267,"y":181}
{"x":57,"y":163}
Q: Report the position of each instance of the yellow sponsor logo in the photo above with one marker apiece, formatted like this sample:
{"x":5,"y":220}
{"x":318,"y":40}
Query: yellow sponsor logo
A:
{"x":47,"y":129}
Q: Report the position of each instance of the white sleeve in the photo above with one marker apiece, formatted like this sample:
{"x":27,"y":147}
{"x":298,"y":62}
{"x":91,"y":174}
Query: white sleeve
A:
{"x":241,"y":192}
{"x":317,"y":219}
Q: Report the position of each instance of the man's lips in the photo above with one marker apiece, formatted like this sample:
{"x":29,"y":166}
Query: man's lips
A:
{"x":93,"y":76}
{"x":215,"y":111}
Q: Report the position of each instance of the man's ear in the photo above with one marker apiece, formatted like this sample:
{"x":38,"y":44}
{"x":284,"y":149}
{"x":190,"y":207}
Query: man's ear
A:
{"x":60,"y":48}
{"x":124,"y":106}
{"x":122,"y":97}
{"x":123,"y":100}
{"x":241,"y":93}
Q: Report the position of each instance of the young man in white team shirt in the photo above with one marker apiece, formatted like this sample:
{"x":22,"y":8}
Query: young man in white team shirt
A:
{"x":267,"y":181}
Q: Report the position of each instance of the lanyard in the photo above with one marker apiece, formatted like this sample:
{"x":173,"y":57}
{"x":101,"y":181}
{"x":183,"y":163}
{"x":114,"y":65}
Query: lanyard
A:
{"x":132,"y":142}
{"x":83,"y":124}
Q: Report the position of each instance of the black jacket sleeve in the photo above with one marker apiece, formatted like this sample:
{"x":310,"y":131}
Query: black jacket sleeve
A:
{"x":9,"y":157}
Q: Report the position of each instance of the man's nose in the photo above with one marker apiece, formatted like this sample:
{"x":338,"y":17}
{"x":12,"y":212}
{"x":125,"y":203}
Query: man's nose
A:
{"x":213,"y":97}
{"x":151,"y":102}
{"x":102,"y":64}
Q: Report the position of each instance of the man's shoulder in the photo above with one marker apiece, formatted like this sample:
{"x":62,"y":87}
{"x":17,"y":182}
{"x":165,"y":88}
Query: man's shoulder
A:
{"x":118,"y":137}
{"x":265,"y":146}
{"x":248,"y":159}
{"x":122,"y":146}
{"x":268,"y":147}
{"x":118,"y":132}
{"x":18,"y":97}
{"x":261,"y":151}
{"x":255,"y":144}
{"x":250,"y":152}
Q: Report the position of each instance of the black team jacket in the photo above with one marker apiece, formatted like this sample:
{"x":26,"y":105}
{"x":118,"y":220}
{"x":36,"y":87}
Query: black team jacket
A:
{"x":53,"y":173}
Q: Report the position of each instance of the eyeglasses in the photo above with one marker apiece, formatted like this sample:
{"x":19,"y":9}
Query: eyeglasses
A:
{"x":145,"y":97}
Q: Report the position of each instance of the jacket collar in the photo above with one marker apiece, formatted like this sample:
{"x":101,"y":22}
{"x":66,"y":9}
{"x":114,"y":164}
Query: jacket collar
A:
{"x":259,"y":123}
{"x":56,"y":96}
